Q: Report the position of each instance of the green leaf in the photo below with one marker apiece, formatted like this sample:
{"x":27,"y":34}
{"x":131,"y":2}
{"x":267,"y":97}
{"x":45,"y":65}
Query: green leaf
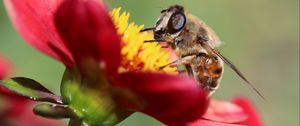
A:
{"x":54,"y":111}
{"x":30,"y":89}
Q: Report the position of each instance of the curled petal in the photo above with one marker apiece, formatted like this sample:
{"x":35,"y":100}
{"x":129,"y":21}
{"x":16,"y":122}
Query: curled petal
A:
{"x":221,"y":113}
{"x":203,"y":122}
{"x":89,"y":33}
{"x":225,"y":112}
{"x":34,"y":21}
{"x":168,"y":98}
{"x":253,"y":117}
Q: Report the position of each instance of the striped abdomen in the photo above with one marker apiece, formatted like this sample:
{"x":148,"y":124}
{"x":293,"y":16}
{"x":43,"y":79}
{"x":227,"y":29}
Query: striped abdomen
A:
{"x":208,"y":71}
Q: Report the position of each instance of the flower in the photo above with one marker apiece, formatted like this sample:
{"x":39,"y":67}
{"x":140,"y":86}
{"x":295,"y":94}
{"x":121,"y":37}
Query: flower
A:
{"x":15,"y":110}
{"x":96,"y":40}
{"x":84,"y":38}
{"x":112,"y":69}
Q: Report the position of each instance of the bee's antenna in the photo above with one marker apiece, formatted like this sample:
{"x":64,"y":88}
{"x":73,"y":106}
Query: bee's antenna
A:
{"x":147,"y":29}
{"x":146,"y":41}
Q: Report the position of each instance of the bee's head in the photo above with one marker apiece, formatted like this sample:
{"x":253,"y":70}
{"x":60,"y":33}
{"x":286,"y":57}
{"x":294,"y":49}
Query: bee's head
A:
{"x":171,"y":22}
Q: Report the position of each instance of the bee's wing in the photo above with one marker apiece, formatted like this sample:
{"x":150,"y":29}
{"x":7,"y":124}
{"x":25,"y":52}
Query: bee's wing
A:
{"x":233,"y":67}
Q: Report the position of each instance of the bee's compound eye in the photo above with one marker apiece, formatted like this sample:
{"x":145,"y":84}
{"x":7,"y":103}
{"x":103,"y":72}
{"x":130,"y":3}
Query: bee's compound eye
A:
{"x":176,"y":22}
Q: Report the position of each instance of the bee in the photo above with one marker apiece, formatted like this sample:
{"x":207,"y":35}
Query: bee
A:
{"x":195,"y":44}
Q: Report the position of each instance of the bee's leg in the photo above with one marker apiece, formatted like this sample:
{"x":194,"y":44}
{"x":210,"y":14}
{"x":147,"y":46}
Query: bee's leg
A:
{"x":183,"y":60}
{"x":189,"y":70}
{"x":181,"y":71}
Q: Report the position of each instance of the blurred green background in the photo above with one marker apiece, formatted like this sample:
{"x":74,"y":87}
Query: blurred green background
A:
{"x":261,"y":37}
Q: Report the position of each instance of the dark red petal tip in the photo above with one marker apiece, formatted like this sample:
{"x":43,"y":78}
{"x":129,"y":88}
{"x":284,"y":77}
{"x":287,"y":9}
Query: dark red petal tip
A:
{"x":33,"y":19}
{"x":89,"y":33}
{"x":202,"y":122}
{"x":168,"y":98}
{"x":253,"y":116}
{"x":225,"y":112}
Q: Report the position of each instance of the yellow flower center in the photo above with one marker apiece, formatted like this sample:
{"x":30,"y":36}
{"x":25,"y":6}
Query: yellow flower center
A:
{"x":137,"y":55}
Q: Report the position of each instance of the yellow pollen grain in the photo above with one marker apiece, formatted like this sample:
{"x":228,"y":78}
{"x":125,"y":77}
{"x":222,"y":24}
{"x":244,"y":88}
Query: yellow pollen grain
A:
{"x":137,"y":55}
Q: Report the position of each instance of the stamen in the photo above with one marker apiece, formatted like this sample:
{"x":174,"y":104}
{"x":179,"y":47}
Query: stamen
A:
{"x":139,"y":51}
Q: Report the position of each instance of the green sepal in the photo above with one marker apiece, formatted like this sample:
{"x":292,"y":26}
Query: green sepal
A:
{"x":30,"y":89}
{"x":93,"y":105}
{"x":70,"y":77}
{"x":90,"y":106}
{"x":54,"y":111}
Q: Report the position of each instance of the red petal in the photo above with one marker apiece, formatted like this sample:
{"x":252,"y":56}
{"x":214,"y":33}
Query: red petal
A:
{"x":253,"y":117}
{"x":202,"y":122}
{"x":226,"y":112}
{"x":34,"y":21}
{"x":4,"y":67}
{"x":16,"y":103}
{"x":26,"y":117}
{"x":168,"y":98}
{"x":19,"y":111}
{"x":89,"y":33}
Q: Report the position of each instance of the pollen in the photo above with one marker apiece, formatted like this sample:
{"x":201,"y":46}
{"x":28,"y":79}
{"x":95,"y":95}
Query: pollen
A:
{"x":136,"y":54}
